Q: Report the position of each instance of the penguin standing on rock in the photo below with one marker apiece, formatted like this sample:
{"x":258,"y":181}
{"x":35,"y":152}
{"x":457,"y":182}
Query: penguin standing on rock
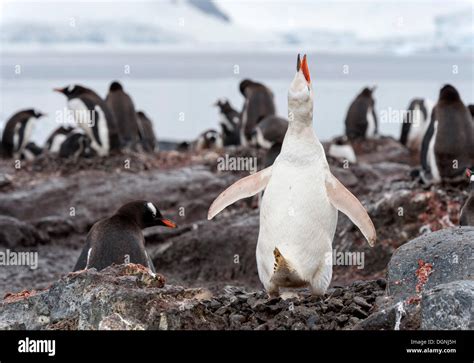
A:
{"x":416,"y":123}
{"x":121,"y":105}
{"x":361,"y":121}
{"x":229,"y":120}
{"x":447,"y":147}
{"x":92,"y":114}
{"x":258,"y":105}
{"x":17,"y":132}
{"x":119,"y":238}
{"x":146,"y":133}
{"x":467,"y":211}
{"x":298,"y":213}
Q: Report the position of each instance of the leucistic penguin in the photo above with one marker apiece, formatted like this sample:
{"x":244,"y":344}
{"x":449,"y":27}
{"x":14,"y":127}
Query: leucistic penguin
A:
{"x":146,"y":133}
{"x":92,"y":114}
{"x":258,"y":105}
{"x":123,"y":109}
{"x":467,"y":211}
{"x":361,"y":120}
{"x":447,"y":147}
{"x":17,"y":132}
{"x":298,"y":214}
{"x":119,"y":238}
{"x":415,"y":123}
{"x":229,"y":121}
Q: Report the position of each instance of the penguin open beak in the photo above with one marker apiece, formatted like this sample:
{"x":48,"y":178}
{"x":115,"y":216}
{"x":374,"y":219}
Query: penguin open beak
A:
{"x":305,"y":69}
{"x":168,"y":223}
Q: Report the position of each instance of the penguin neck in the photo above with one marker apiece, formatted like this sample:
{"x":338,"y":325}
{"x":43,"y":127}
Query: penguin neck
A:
{"x":301,"y":126}
{"x":132,"y":217}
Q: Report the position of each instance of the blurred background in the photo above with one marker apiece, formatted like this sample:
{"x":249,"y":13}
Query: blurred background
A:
{"x":177,"y":57}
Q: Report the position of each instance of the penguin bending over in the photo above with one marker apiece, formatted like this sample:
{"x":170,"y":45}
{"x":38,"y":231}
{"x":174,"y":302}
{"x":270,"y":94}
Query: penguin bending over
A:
{"x":145,"y":132}
{"x":416,"y":123}
{"x":361,"y":120}
{"x":447,"y":149}
{"x":17,"y":132}
{"x":258,"y":105}
{"x":467,"y":211}
{"x":298,"y":214}
{"x":119,"y":238}
{"x":31,"y":151}
{"x":229,"y":120}
{"x":92,"y":115}
{"x":76,"y":145}
{"x":123,"y":109}
{"x":55,"y":140}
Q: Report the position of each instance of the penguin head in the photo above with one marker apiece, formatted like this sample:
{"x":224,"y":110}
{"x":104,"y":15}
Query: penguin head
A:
{"x":449,"y":93}
{"x":115,"y":86}
{"x":146,"y":214}
{"x":36,"y":113}
{"x":300,"y":94}
{"x":244,"y":85}
{"x":72,"y":90}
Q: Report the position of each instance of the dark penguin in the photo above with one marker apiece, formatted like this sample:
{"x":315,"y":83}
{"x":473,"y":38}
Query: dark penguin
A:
{"x":258,"y":105}
{"x":467,"y":211}
{"x":76,"y":145}
{"x":471,"y":110}
{"x":92,"y":114}
{"x":121,"y":105}
{"x":269,"y":134}
{"x":415,"y":123}
{"x":119,"y":238}
{"x":146,"y":133}
{"x":229,"y":120}
{"x":209,"y":139}
{"x":31,"y":151}
{"x":447,"y":146}
{"x":55,"y":140}
{"x":17,"y":132}
{"x":361,"y":121}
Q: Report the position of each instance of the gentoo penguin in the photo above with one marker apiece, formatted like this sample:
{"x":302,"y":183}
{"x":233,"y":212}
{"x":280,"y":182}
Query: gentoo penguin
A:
{"x":229,"y":120}
{"x":58,"y":136}
{"x":342,"y":149}
{"x":271,"y":130}
{"x":31,"y":151}
{"x":361,"y":121}
{"x":298,"y":214}
{"x":209,"y":139}
{"x":146,"y":133}
{"x":447,"y":149}
{"x":258,"y":105}
{"x":119,"y":238}
{"x":92,"y":114}
{"x":415,"y":123}
{"x":471,"y":110}
{"x":76,"y":145}
{"x":17,"y":132}
{"x":467,"y":211}
{"x":121,"y":105}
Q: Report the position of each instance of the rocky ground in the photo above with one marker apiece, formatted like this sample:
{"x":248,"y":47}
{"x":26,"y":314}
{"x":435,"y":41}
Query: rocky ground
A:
{"x":209,"y":266}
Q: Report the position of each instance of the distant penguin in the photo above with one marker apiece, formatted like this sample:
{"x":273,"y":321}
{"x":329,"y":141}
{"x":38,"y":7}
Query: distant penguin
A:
{"x":57,"y":137}
{"x":342,"y":149}
{"x":209,"y":139}
{"x":447,"y":147}
{"x":92,"y":114}
{"x":119,"y":239}
{"x":471,"y":110}
{"x":467,"y":211}
{"x":271,"y":130}
{"x":258,"y":105}
{"x":229,"y":120}
{"x":17,"y":132}
{"x":361,"y":120}
{"x":415,"y":123}
{"x":121,"y":105}
{"x":146,"y":133}
{"x":76,"y":145}
{"x":31,"y":151}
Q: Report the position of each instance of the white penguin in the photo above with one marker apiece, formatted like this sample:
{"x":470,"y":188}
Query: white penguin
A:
{"x":298,"y":214}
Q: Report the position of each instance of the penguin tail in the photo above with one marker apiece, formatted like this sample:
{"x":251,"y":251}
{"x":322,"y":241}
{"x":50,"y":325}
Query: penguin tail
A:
{"x":284,"y":275}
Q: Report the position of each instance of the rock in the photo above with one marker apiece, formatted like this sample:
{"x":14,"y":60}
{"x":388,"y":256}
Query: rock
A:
{"x":361,"y":302}
{"x":448,"y":306}
{"x":15,"y":233}
{"x":429,"y":260}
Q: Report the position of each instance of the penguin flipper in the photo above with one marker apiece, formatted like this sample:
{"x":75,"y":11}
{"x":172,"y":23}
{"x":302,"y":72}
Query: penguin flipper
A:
{"x":242,"y":188}
{"x":343,"y":200}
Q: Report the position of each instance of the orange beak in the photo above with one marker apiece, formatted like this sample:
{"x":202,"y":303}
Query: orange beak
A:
{"x":305,"y":69}
{"x":168,"y":223}
{"x":60,"y":90}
